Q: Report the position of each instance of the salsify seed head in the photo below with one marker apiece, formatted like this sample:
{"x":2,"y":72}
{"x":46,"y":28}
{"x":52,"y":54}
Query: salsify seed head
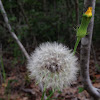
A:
{"x":54,"y":65}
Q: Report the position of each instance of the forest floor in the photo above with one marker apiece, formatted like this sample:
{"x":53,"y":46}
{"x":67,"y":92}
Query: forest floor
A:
{"x":17,"y":85}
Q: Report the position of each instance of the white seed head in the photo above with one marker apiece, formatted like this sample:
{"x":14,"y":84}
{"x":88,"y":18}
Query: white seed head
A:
{"x":54,"y":65}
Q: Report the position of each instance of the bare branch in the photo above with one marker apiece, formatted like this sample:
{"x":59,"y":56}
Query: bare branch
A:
{"x":85,"y":55}
{"x":10,"y":30}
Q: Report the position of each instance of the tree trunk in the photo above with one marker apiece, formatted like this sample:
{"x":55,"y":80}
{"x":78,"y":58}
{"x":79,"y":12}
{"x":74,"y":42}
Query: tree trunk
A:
{"x":85,"y":55}
{"x":0,"y":63}
{"x":77,"y":11}
{"x":45,"y":7}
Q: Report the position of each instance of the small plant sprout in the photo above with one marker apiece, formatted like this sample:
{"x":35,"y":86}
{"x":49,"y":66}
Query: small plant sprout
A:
{"x":82,"y":30}
{"x":54,"y":65}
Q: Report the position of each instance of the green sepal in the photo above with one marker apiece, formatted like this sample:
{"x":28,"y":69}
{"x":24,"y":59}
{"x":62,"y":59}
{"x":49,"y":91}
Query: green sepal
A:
{"x":82,"y":30}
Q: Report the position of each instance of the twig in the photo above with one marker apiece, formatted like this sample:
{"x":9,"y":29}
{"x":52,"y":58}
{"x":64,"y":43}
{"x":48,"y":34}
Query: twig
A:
{"x":28,"y":91}
{"x":11,"y":31}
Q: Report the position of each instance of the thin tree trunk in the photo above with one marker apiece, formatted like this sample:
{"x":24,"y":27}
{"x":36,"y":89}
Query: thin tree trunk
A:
{"x":45,"y":7}
{"x":77,"y":11}
{"x":23,"y":12}
{"x":16,"y":38}
{"x":1,"y":78}
{"x":95,"y":59}
{"x":10,"y":30}
{"x":85,"y":55}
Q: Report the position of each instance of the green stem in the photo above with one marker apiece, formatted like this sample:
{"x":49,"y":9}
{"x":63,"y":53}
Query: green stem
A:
{"x":76,"y":44}
{"x":43,"y":94}
{"x":50,"y":95}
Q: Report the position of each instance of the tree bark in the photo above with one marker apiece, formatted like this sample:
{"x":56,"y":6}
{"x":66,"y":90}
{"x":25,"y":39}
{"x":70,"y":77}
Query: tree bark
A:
{"x":77,"y":11}
{"x":0,"y":63}
{"x":10,"y":30}
{"x":95,"y":59}
{"x":85,"y":54}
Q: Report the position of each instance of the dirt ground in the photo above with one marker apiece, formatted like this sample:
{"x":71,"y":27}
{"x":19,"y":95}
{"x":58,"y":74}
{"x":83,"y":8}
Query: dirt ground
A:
{"x":19,"y":87}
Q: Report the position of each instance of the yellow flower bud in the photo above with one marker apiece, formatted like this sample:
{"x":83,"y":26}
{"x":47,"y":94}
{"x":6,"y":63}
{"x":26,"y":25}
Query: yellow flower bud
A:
{"x":82,"y":30}
{"x":88,"y":13}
